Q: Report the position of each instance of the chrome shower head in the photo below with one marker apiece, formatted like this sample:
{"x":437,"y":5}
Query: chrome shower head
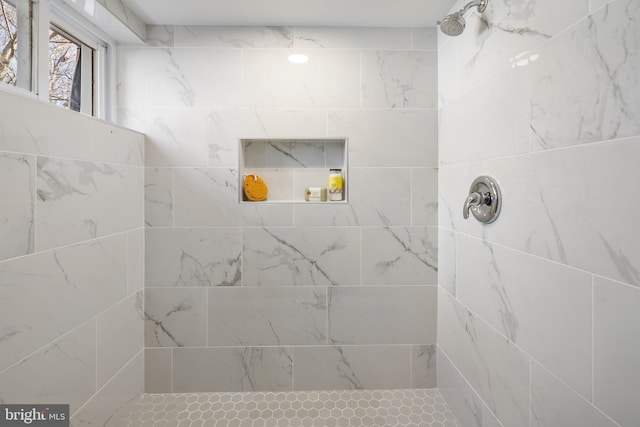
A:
{"x":454,"y":23}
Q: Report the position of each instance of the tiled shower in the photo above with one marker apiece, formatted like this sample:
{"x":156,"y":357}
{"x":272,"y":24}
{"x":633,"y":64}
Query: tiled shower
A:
{"x":128,"y":265}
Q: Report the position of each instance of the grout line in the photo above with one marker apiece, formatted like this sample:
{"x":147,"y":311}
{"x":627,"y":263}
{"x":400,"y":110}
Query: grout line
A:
{"x":593,"y":339}
{"x":530,"y":392}
{"x":171,"y":369}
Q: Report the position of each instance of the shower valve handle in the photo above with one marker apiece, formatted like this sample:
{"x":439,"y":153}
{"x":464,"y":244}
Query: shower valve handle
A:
{"x":474,"y":199}
{"x":484,"y":200}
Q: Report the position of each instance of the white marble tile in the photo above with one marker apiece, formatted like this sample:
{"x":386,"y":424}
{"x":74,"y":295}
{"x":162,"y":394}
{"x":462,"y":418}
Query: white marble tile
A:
{"x":160,"y":35}
{"x":121,"y":11}
{"x":120,"y":336}
{"x":78,"y":201}
{"x":65,"y":372}
{"x":177,"y":257}
{"x":356,"y":315}
{"x":489,"y":419}
{"x":553,"y":404}
{"x":37,"y":291}
{"x":550,"y":210}
{"x":175,"y":317}
{"x":351,"y":367}
{"x":113,"y":402}
{"x":447,"y":77}
{"x":283,"y":154}
{"x":28,"y":125}
{"x":377,"y":196}
{"x":424,"y":196}
{"x":179,"y":77}
{"x":603,"y":103}
{"x":423,"y":366}
{"x":270,"y":80}
{"x":616,"y":350}
{"x":267,"y":316}
{"x":301,"y":256}
{"x":495,"y":368}
{"x":510,"y":290}
{"x":113,"y":144}
{"x":210,"y":197}
{"x":227,"y":126}
{"x":157,"y":370}
{"x":491,"y":120}
{"x":399,"y":79}
{"x":352,"y":38}
{"x":233,"y":37}
{"x":135,"y":260}
{"x":174,"y":136}
{"x":232,"y":369}
{"x":400,"y":256}
{"x":453,"y":189}
{"x":17,"y":205}
{"x":447,"y":260}
{"x":382,"y":138}
{"x":460,"y":396}
{"x":424,"y":38}
{"x":506,"y":33}
{"x":158,"y":197}
{"x":596,"y":4}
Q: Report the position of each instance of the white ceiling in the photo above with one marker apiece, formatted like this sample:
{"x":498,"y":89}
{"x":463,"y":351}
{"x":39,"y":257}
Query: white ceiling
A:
{"x":356,"y":13}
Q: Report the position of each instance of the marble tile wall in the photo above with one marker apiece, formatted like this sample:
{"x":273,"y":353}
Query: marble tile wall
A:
{"x":71,"y":260}
{"x":281,"y":296}
{"x":538,"y":312}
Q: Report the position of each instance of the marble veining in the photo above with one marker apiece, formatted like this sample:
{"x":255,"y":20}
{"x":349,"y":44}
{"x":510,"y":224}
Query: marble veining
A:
{"x":175,"y":317}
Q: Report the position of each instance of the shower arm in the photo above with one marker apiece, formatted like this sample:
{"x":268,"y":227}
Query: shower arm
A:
{"x":481,"y":4}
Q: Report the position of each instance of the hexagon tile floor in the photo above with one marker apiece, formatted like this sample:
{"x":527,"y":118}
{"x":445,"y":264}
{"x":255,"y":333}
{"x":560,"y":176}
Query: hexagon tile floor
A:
{"x":397,"y":408}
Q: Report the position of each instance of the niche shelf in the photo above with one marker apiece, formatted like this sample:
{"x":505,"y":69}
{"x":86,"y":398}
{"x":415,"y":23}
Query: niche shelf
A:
{"x":289,"y":165}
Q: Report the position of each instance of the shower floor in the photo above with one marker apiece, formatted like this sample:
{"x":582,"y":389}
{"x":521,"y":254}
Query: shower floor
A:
{"x":367,"y":408}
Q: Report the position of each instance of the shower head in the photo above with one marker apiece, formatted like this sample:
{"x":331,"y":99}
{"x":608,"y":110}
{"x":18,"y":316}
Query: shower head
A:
{"x":453,"y":24}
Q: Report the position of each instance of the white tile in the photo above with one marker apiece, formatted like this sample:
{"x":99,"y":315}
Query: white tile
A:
{"x":37,"y":291}
{"x":506,"y":33}
{"x":17,"y":205}
{"x":160,"y":35}
{"x":511,"y":290}
{"x":603,"y":102}
{"x":408,"y":315}
{"x":232,"y":369}
{"x":301,"y":256}
{"x":233,"y":37}
{"x":158,"y":197}
{"x":460,"y":396}
{"x":179,"y":77}
{"x":283,"y":154}
{"x":382,"y":138}
{"x":424,"y":38}
{"x":175,"y":317}
{"x":113,"y":144}
{"x":352,"y":38}
{"x":495,"y":368}
{"x":267,"y":316}
{"x":227,"y":126}
{"x":157,"y":370}
{"x":351,"y":367}
{"x":423,"y":366}
{"x":65,"y":372}
{"x":492,"y":120}
{"x":174,"y":136}
{"x":447,"y":76}
{"x":114,"y":401}
{"x":210,"y":197}
{"x":135,"y":261}
{"x":447,"y":260}
{"x":453,"y":188}
{"x":400,"y":256}
{"x":270,"y":80}
{"x":399,"y":79}
{"x":30,"y":126}
{"x":424,"y":196}
{"x":78,"y":201}
{"x":120,"y":336}
{"x":553,"y":404}
{"x":377,"y":196}
{"x":596,"y":4}
{"x":616,"y":350}
{"x":550,"y":211}
{"x":178,"y":257}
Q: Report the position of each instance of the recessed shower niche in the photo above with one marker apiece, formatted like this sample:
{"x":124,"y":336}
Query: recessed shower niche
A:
{"x":291,"y":165}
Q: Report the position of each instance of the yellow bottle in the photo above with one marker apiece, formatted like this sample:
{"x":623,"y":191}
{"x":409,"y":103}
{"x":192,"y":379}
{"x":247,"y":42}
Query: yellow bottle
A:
{"x":335,"y":185}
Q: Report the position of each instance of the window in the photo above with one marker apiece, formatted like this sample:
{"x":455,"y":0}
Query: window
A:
{"x":70,"y":72}
{"x":15,"y":43}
